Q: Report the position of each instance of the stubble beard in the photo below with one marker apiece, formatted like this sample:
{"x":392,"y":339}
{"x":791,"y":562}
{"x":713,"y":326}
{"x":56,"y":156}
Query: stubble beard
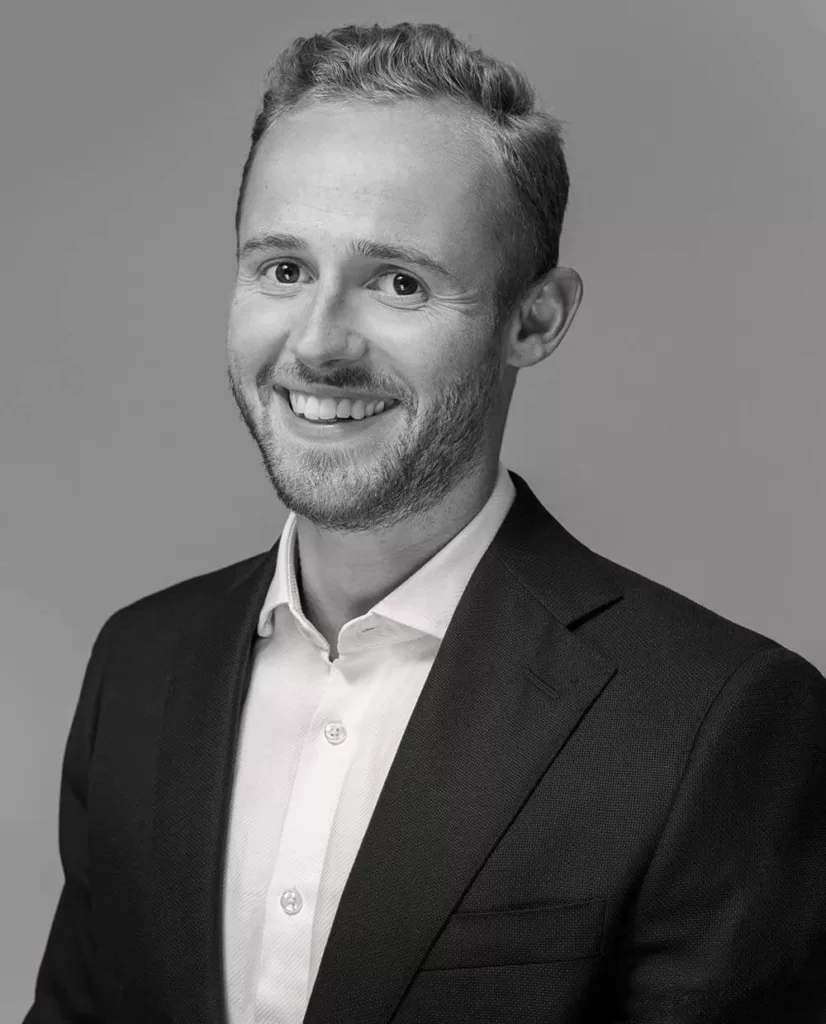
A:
{"x":406,"y":475}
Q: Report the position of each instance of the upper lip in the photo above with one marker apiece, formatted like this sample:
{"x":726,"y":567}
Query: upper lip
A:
{"x":325,"y":392}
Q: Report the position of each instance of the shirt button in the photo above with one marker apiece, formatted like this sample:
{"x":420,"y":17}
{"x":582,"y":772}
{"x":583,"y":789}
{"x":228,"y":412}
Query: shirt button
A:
{"x":291,"y":901}
{"x":335,"y":732}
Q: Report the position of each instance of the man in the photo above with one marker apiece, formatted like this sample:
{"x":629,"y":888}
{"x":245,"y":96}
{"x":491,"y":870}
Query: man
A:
{"x":430,"y":758}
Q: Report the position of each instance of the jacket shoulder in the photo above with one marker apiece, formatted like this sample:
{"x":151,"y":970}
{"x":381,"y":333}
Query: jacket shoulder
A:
{"x":179,"y":601}
{"x":656,"y":628}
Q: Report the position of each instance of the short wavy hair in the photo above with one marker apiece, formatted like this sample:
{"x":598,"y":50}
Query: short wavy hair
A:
{"x":425,"y":61}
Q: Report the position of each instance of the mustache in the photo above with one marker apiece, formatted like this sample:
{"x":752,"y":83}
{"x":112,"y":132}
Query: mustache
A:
{"x":343,"y":379}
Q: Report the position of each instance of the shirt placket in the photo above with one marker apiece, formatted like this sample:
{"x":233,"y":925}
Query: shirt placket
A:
{"x":329,"y":748}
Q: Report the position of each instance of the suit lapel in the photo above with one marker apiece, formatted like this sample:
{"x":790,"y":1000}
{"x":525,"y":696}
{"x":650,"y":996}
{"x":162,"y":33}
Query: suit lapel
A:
{"x":193,"y":786}
{"x":509,"y":684}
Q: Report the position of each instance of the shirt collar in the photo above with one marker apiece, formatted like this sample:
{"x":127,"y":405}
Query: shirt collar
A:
{"x":424,"y":602}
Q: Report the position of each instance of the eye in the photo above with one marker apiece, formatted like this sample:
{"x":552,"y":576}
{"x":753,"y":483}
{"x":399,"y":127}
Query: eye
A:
{"x":286,"y":272}
{"x":402,"y":285}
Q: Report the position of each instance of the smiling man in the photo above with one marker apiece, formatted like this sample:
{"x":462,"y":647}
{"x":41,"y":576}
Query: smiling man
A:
{"x":429,"y":758}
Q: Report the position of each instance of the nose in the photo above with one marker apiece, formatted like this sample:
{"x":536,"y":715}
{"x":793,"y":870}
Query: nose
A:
{"x":324,"y":334}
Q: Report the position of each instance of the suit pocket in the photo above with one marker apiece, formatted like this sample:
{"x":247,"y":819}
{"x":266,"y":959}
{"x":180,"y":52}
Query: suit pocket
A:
{"x":558,"y":931}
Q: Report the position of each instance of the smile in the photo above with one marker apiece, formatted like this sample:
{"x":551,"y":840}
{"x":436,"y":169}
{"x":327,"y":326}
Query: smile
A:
{"x":310,"y":407}
{"x":333,"y":420}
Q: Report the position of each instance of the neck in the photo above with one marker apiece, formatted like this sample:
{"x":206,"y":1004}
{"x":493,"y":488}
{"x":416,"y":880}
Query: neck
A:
{"x":343,"y":575}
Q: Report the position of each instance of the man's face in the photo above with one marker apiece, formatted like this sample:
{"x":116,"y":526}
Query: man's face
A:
{"x":320,"y":308}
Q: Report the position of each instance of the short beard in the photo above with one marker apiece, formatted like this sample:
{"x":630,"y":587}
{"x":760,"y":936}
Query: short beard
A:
{"x":412,"y":474}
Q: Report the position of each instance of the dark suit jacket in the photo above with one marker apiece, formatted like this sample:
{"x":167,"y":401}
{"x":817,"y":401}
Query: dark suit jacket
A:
{"x":609,"y":805}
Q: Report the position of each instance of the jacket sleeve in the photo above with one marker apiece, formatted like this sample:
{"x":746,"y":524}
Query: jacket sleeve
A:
{"x":730,"y":920}
{"x":65,"y":985}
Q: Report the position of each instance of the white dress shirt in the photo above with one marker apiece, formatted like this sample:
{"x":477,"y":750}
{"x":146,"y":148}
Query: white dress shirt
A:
{"x":316,"y":743}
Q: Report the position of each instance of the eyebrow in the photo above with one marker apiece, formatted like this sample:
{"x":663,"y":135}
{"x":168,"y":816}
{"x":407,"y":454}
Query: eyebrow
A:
{"x":365,"y":248}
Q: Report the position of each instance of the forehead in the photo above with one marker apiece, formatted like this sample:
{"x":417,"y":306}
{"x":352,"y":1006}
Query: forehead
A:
{"x":414,"y":171}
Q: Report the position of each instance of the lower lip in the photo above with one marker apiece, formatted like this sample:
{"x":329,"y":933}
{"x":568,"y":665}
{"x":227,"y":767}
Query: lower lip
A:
{"x":320,"y":430}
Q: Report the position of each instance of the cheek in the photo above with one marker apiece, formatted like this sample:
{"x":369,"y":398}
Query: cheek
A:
{"x":461,"y":351}
{"x":255,"y":333}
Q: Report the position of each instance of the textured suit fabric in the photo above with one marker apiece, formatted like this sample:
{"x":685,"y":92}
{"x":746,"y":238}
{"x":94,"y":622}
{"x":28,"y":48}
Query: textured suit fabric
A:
{"x":609,"y":805}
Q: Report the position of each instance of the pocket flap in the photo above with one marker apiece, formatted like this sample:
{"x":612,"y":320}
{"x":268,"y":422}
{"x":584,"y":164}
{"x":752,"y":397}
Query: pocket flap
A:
{"x":558,"y":931}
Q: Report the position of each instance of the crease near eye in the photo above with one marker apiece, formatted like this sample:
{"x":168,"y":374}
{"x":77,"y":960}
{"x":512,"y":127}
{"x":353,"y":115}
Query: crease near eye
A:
{"x":412,"y":288}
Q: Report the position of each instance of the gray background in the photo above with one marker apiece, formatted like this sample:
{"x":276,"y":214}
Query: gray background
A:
{"x":680,"y":429}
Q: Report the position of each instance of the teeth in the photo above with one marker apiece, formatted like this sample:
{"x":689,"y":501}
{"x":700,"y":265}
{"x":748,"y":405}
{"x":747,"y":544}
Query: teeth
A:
{"x":313,"y":408}
{"x":326,"y":409}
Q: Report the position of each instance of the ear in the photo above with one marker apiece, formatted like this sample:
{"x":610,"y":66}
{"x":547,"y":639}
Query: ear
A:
{"x":544,"y":317}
